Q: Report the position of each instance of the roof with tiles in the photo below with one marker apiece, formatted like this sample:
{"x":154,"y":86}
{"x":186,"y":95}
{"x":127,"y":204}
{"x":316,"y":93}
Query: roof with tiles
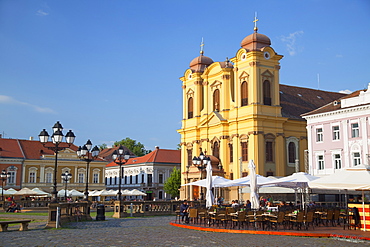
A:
{"x":296,"y":101}
{"x":331,"y":106}
{"x":9,"y":148}
{"x":157,"y":156}
{"x":35,"y":149}
{"x":106,"y":153}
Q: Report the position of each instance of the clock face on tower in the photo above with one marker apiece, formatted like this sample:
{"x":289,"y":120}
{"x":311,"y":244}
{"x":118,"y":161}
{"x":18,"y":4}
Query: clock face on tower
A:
{"x":266,"y":55}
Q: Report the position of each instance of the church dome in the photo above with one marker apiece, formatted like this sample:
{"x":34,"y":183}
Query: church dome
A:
{"x":200,"y":63}
{"x":255,"y":41}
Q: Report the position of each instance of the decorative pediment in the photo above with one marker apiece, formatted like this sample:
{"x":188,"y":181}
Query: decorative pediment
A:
{"x":213,"y":119}
{"x":216,"y":85}
{"x":243,"y":76}
{"x":190,"y":93}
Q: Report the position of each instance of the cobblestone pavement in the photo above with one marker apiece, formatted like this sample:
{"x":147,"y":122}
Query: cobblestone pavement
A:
{"x":148,"y":231}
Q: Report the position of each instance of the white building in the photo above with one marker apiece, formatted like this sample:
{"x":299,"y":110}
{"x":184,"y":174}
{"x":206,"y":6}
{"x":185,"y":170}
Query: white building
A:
{"x":147,"y":173}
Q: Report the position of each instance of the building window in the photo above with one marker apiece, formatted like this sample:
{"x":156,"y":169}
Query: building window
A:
{"x":190,"y":107}
{"x":106,"y":181}
{"x":48,"y":177}
{"x":355,"y":130}
{"x":216,"y":100}
{"x":125,"y":180}
{"x":356,"y":159}
{"x":160,"y":178}
{"x":291,"y":152}
{"x":337,"y":161}
{"x":95,"y":178}
{"x":244,"y":93}
{"x":160,"y":195}
{"x":319,"y":135}
{"x":131,"y":179}
{"x":216,"y":150}
{"x":335,"y":132}
{"x":150,"y":179}
{"x":32,"y":178}
{"x":231,"y":152}
{"x":81,"y":178}
{"x":11,"y":177}
{"x":190,"y":159}
{"x":320,"y":161}
{"x":142,"y":178}
{"x":266,"y":93}
{"x":244,"y":151}
{"x":269,"y":151}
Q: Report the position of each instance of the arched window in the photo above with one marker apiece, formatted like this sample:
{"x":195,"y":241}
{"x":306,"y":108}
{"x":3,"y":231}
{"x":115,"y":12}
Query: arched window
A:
{"x":269,"y":151}
{"x":266,"y":93}
{"x":216,"y":150}
{"x":190,"y":107}
{"x":216,"y":100}
{"x":291,"y":152}
{"x":244,"y":151}
{"x":244,"y":93}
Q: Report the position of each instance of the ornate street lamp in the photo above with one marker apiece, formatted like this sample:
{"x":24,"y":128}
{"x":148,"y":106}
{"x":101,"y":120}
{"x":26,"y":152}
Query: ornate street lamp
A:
{"x":85,"y":154}
{"x":201,"y":163}
{"x":4,"y":176}
{"x":57,"y":138}
{"x":66,"y":176}
{"x":120,"y":157}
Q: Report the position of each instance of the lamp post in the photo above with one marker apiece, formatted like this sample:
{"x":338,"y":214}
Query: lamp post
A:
{"x":4,"y":176}
{"x":57,"y":138}
{"x":120,"y":157}
{"x":85,"y":153}
{"x":187,"y":181}
{"x":201,"y":163}
{"x":66,"y":176}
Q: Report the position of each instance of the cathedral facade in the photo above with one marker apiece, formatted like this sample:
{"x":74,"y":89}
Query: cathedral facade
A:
{"x":237,"y":110}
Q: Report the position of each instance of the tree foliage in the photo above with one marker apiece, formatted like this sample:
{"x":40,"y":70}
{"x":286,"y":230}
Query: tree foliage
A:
{"x":172,"y":184}
{"x":103,"y":146}
{"x":136,"y":147}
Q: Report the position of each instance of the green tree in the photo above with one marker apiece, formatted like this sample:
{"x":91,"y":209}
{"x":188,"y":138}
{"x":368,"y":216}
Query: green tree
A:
{"x":136,"y":147}
{"x":103,"y":146}
{"x":172,"y":184}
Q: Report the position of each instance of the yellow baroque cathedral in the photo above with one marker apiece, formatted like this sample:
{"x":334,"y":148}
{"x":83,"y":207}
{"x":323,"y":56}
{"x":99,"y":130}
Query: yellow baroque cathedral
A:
{"x":237,"y":110}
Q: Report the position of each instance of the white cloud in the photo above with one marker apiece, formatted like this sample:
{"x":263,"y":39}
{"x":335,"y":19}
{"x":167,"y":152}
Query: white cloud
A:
{"x":41,"y":13}
{"x":290,"y":42}
{"x":9,"y":100}
{"x":346,"y":91}
{"x":339,"y":55}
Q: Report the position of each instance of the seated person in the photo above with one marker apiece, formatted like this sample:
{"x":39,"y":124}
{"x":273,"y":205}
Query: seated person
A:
{"x":184,"y":211}
{"x":235,"y":204}
{"x":12,"y":207}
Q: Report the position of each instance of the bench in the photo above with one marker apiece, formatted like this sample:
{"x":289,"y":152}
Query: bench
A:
{"x":24,"y":224}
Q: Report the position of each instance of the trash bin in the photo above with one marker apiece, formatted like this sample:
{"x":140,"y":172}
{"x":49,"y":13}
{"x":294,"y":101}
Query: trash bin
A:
{"x":100,"y":212}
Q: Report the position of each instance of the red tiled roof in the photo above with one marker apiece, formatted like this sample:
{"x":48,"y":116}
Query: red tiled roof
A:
{"x":296,"y":101}
{"x":156,"y":156}
{"x":107,"y":153}
{"x":10,"y":148}
{"x":34,"y":149}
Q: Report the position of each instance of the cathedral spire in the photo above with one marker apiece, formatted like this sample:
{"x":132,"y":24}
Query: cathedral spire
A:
{"x":255,"y":22}
{"x":202,"y":47}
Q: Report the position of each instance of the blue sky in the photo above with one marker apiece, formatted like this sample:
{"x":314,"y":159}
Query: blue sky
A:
{"x":110,"y":69}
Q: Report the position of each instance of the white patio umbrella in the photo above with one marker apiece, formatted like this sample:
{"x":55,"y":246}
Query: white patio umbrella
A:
{"x":61,"y":193}
{"x":245,"y":181}
{"x":25,"y":192}
{"x":217,"y":181}
{"x":9,"y":191}
{"x":255,"y":203}
{"x":41,"y":193}
{"x":353,"y":178}
{"x":136,"y":192}
{"x":75,"y":193}
{"x":209,"y":194}
{"x":298,"y":180}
